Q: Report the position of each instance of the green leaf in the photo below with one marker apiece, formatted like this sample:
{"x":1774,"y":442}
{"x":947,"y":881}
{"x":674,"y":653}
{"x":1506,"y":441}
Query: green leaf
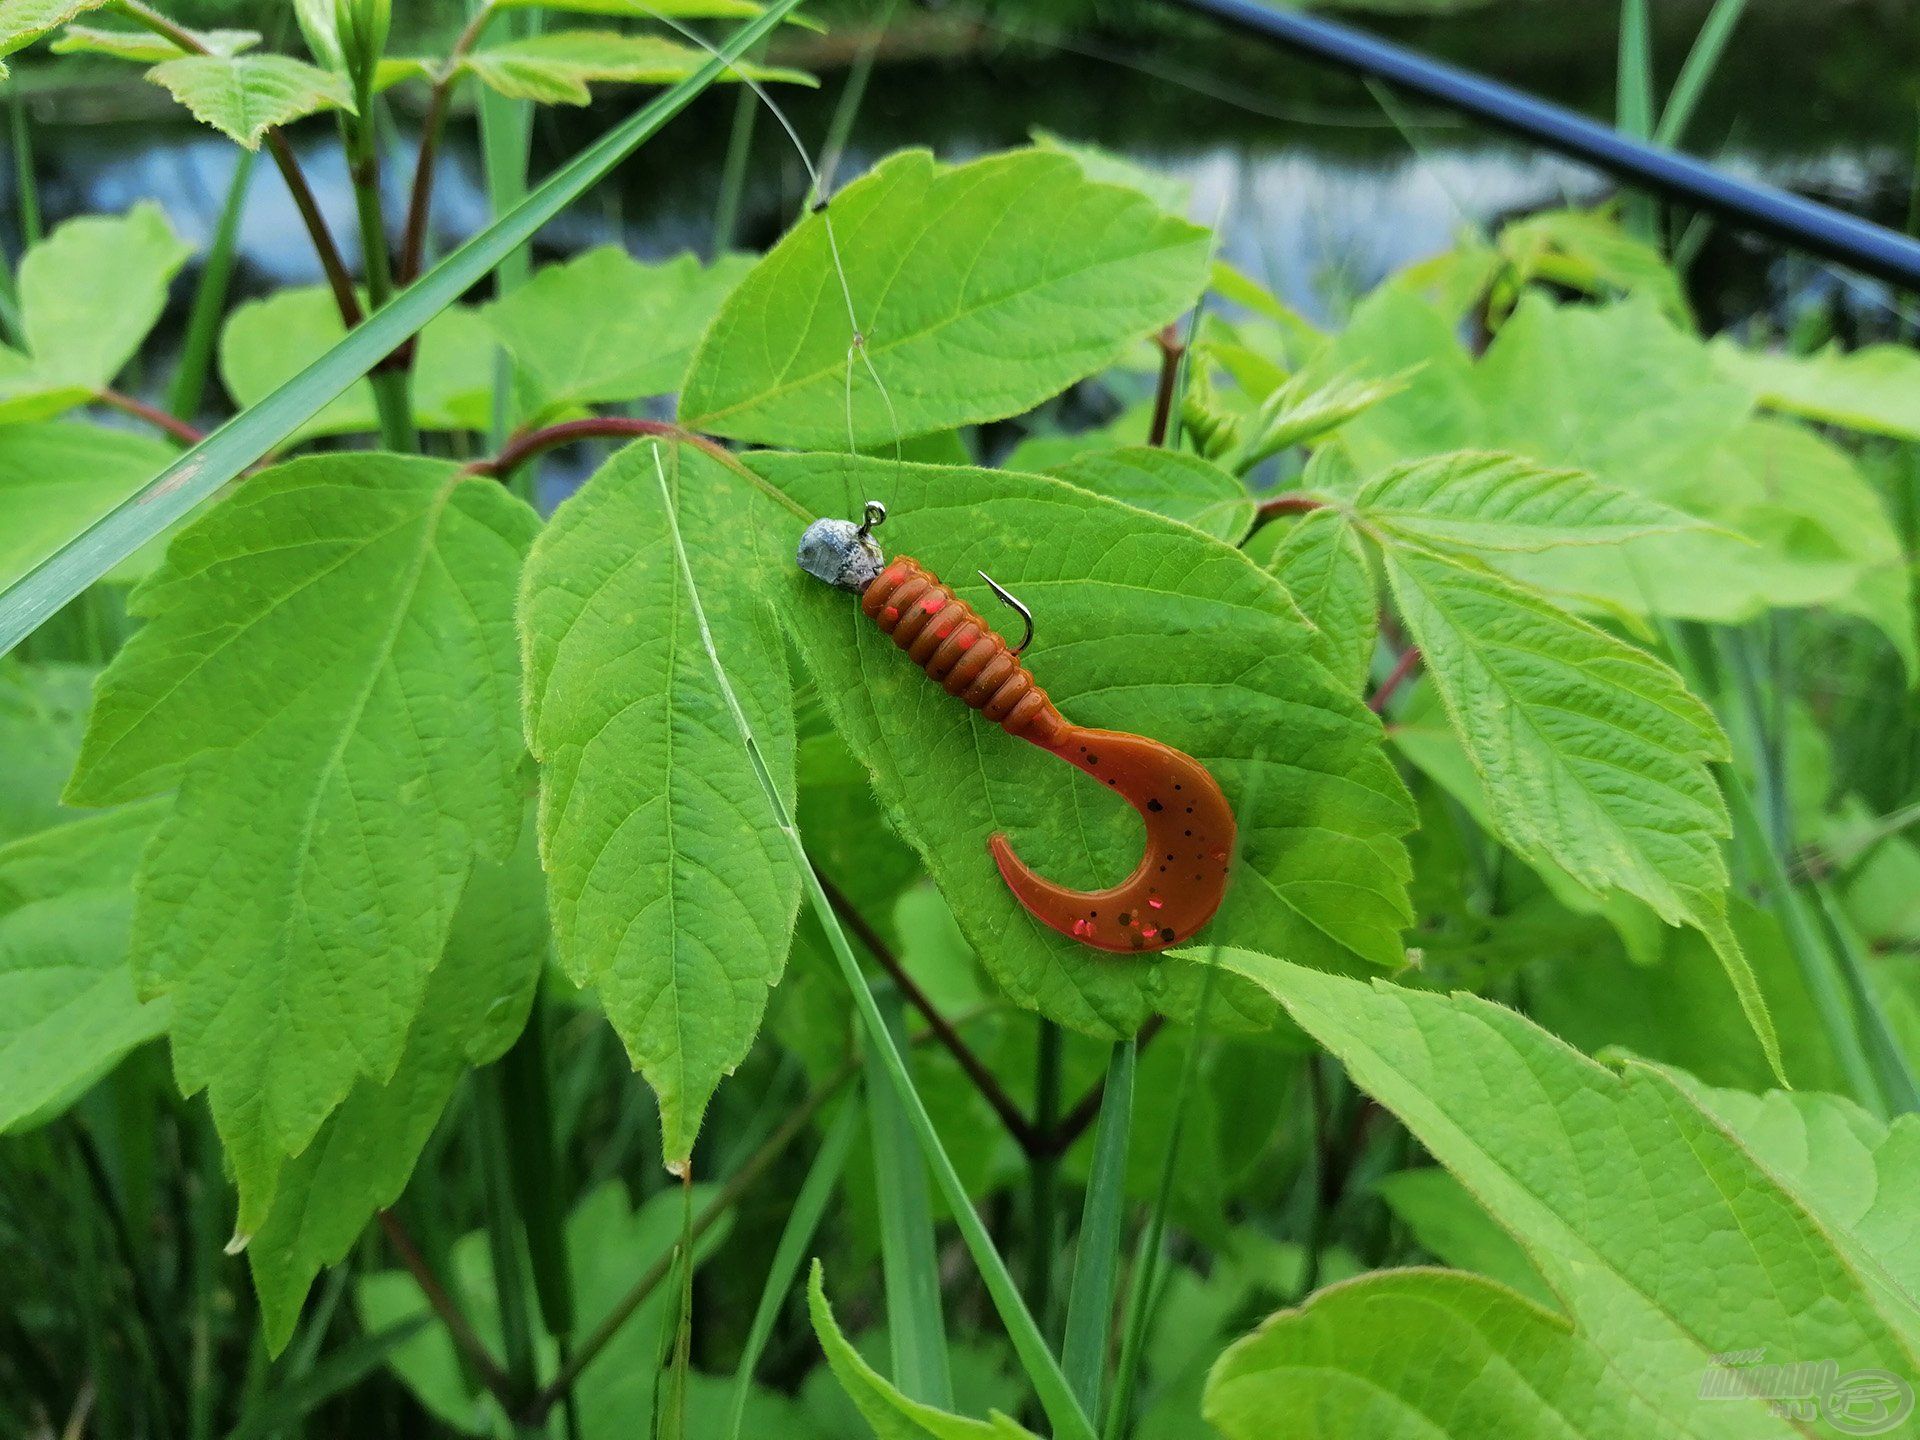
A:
{"x":24,"y":21}
{"x":475,"y":1004}
{"x":606,"y":328}
{"x":268,"y":342}
{"x":556,"y":68}
{"x":1669,"y":1230}
{"x":970,"y":302}
{"x":244,"y":96}
{"x":1178,"y":486}
{"x":57,"y":477}
{"x":1593,"y":753}
{"x":327,"y":675}
{"x":146,"y":47}
{"x":43,"y":713}
{"x":1875,"y":389}
{"x":892,"y":1415}
{"x":67,"y":1007}
{"x":673,"y":890}
{"x":1323,"y":565}
{"x":89,"y":294}
{"x":1481,"y":502}
{"x":1120,"y":596}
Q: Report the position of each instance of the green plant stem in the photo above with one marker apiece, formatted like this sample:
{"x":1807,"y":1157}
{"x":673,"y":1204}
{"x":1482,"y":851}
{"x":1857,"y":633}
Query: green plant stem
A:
{"x":534,"y":1167}
{"x":909,"y":1260}
{"x":733,"y":175}
{"x":1043,"y":1174}
{"x":504,"y":1235}
{"x":796,"y":1237}
{"x":210,"y":296}
{"x":1096,"y":1261}
{"x":729,"y":1194}
{"x":26,"y":187}
{"x":392,"y":384}
{"x":1141,"y":1300}
{"x":1702,"y":60}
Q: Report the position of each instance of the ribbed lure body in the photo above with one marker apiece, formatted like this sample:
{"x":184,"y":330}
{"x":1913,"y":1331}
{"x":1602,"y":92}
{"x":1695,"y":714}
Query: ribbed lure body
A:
{"x":1190,"y":827}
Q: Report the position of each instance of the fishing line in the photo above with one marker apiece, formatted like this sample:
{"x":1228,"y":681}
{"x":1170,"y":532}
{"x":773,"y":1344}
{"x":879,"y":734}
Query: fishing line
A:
{"x":817,"y":203}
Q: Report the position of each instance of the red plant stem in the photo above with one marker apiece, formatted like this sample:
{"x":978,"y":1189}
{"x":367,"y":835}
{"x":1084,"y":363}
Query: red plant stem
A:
{"x":413,"y":252}
{"x":331,"y":260}
{"x":187,"y":435}
{"x":1288,"y":505}
{"x":984,"y":1080}
{"x":1171,"y":351}
{"x":464,"y":1337}
{"x":1408,"y":662}
{"x":523,"y":447}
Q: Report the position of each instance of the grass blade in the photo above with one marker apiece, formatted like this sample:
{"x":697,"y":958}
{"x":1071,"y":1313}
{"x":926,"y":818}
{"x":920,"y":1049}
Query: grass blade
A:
{"x":210,"y":296}
{"x":1702,"y":60}
{"x":1633,"y":99}
{"x":809,"y":1208}
{"x":1146,"y":1277}
{"x":1063,"y":1411}
{"x":916,"y":1329}
{"x":226,"y":453}
{"x":1096,"y":1261}
{"x":285,"y":1406}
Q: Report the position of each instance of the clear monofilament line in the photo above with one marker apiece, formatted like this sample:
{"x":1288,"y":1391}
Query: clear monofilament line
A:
{"x":817,"y":203}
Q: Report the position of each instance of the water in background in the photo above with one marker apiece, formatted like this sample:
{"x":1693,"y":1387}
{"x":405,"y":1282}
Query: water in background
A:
{"x":1319,"y":190}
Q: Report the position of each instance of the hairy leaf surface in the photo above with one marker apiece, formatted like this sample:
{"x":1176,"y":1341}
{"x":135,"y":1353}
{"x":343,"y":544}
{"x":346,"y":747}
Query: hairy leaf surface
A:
{"x":1320,"y":559}
{"x":673,"y":891}
{"x":979,"y":291}
{"x":1593,"y":752}
{"x":1143,"y":625}
{"x":327,"y":674}
{"x":244,"y":96}
{"x":1179,"y":486}
{"x":24,"y":21}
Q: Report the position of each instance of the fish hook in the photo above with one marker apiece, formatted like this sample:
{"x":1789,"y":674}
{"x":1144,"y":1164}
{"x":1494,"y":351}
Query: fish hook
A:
{"x":1182,"y":876}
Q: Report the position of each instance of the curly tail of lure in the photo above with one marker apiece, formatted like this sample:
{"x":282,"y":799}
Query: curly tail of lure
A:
{"x":1181,"y":879}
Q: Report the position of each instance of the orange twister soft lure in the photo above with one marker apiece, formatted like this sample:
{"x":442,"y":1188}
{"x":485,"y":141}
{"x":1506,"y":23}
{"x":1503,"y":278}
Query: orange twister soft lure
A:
{"x":1190,"y":828}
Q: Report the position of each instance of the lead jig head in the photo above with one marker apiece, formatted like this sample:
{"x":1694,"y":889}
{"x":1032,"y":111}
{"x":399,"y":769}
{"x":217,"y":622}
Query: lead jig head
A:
{"x":1182,"y":877}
